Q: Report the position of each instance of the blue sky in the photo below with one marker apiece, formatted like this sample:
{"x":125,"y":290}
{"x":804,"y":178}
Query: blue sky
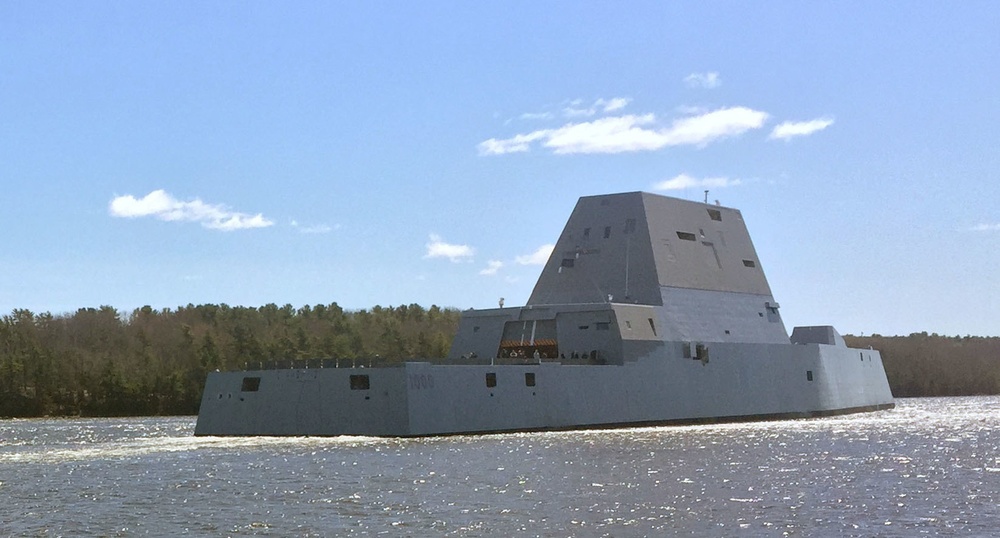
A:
{"x":167,"y":153}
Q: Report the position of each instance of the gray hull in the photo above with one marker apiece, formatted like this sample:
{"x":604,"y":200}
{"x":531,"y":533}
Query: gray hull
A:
{"x":694,"y":336}
{"x":738,"y":383}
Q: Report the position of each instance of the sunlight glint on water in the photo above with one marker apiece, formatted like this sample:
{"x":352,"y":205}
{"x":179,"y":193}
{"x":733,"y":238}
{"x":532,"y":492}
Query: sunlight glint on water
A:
{"x":931,"y":466}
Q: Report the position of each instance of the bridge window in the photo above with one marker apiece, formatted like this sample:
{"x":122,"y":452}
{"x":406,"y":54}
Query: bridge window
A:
{"x":749,"y":263}
{"x":568,"y":262}
{"x":715,"y":214}
{"x":687,"y":236}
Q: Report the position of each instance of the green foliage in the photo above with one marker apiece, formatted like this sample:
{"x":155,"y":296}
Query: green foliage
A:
{"x":933,"y":365}
{"x":101,"y":362}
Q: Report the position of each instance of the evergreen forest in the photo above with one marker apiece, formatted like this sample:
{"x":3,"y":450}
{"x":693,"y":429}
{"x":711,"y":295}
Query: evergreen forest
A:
{"x":103,"y":362}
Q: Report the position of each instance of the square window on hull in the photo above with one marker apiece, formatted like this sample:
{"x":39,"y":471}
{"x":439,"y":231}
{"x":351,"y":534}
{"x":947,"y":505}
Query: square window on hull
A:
{"x":359,"y":382}
{"x":250,"y":384}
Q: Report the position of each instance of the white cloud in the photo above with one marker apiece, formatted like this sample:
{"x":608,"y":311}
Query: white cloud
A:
{"x":538,"y":257}
{"x":703,"y":80}
{"x":617,"y":134}
{"x":517,"y":144}
{"x":684,"y":181}
{"x":613,"y":134}
{"x":574,"y":112}
{"x":161,"y":205}
{"x":791,"y":129}
{"x":437,"y":248}
{"x":710,"y":126}
{"x":492,"y":267}
{"x":986,"y":227}
{"x":611,"y":105}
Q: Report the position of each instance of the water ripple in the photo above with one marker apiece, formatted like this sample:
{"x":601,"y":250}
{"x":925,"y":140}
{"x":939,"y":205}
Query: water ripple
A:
{"x":931,"y":466}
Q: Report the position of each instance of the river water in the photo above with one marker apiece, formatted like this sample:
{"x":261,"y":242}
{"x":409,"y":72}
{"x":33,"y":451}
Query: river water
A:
{"x":929,"y":467}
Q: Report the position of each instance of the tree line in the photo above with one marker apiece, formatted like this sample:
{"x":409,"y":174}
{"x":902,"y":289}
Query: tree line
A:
{"x":102,"y":362}
{"x":924,"y":364}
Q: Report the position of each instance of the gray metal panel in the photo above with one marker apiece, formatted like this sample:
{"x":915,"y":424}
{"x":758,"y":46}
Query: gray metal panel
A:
{"x":820,"y":334}
{"x":714,"y":259}
{"x":304,"y":402}
{"x":624,"y":247}
{"x":603,"y":255}
{"x":716,"y":316}
{"x":479,"y":332}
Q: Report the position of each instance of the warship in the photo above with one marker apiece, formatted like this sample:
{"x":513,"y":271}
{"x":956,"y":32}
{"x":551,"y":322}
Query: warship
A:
{"x":651,"y":310}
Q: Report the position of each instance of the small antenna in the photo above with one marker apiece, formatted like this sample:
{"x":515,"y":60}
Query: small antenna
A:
{"x":706,"y":196}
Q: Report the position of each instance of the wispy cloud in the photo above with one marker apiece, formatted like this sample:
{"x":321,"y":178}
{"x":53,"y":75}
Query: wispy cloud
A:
{"x":536,"y":116}
{"x":577,"y":108}
{"x":538,"y":257}
{"x":516,"y":144}
{"x":986,"y":227}
{"x":492,"y":267}
{"x":314,"y":229}
{"x":703,"y":80}
{"x":161,"y":205}
{"x":684,"y":181}
{"x":618,"y":134}
{"x":612,"y":105}
{"x":438,"y":248}
{"x":790,"y":129}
